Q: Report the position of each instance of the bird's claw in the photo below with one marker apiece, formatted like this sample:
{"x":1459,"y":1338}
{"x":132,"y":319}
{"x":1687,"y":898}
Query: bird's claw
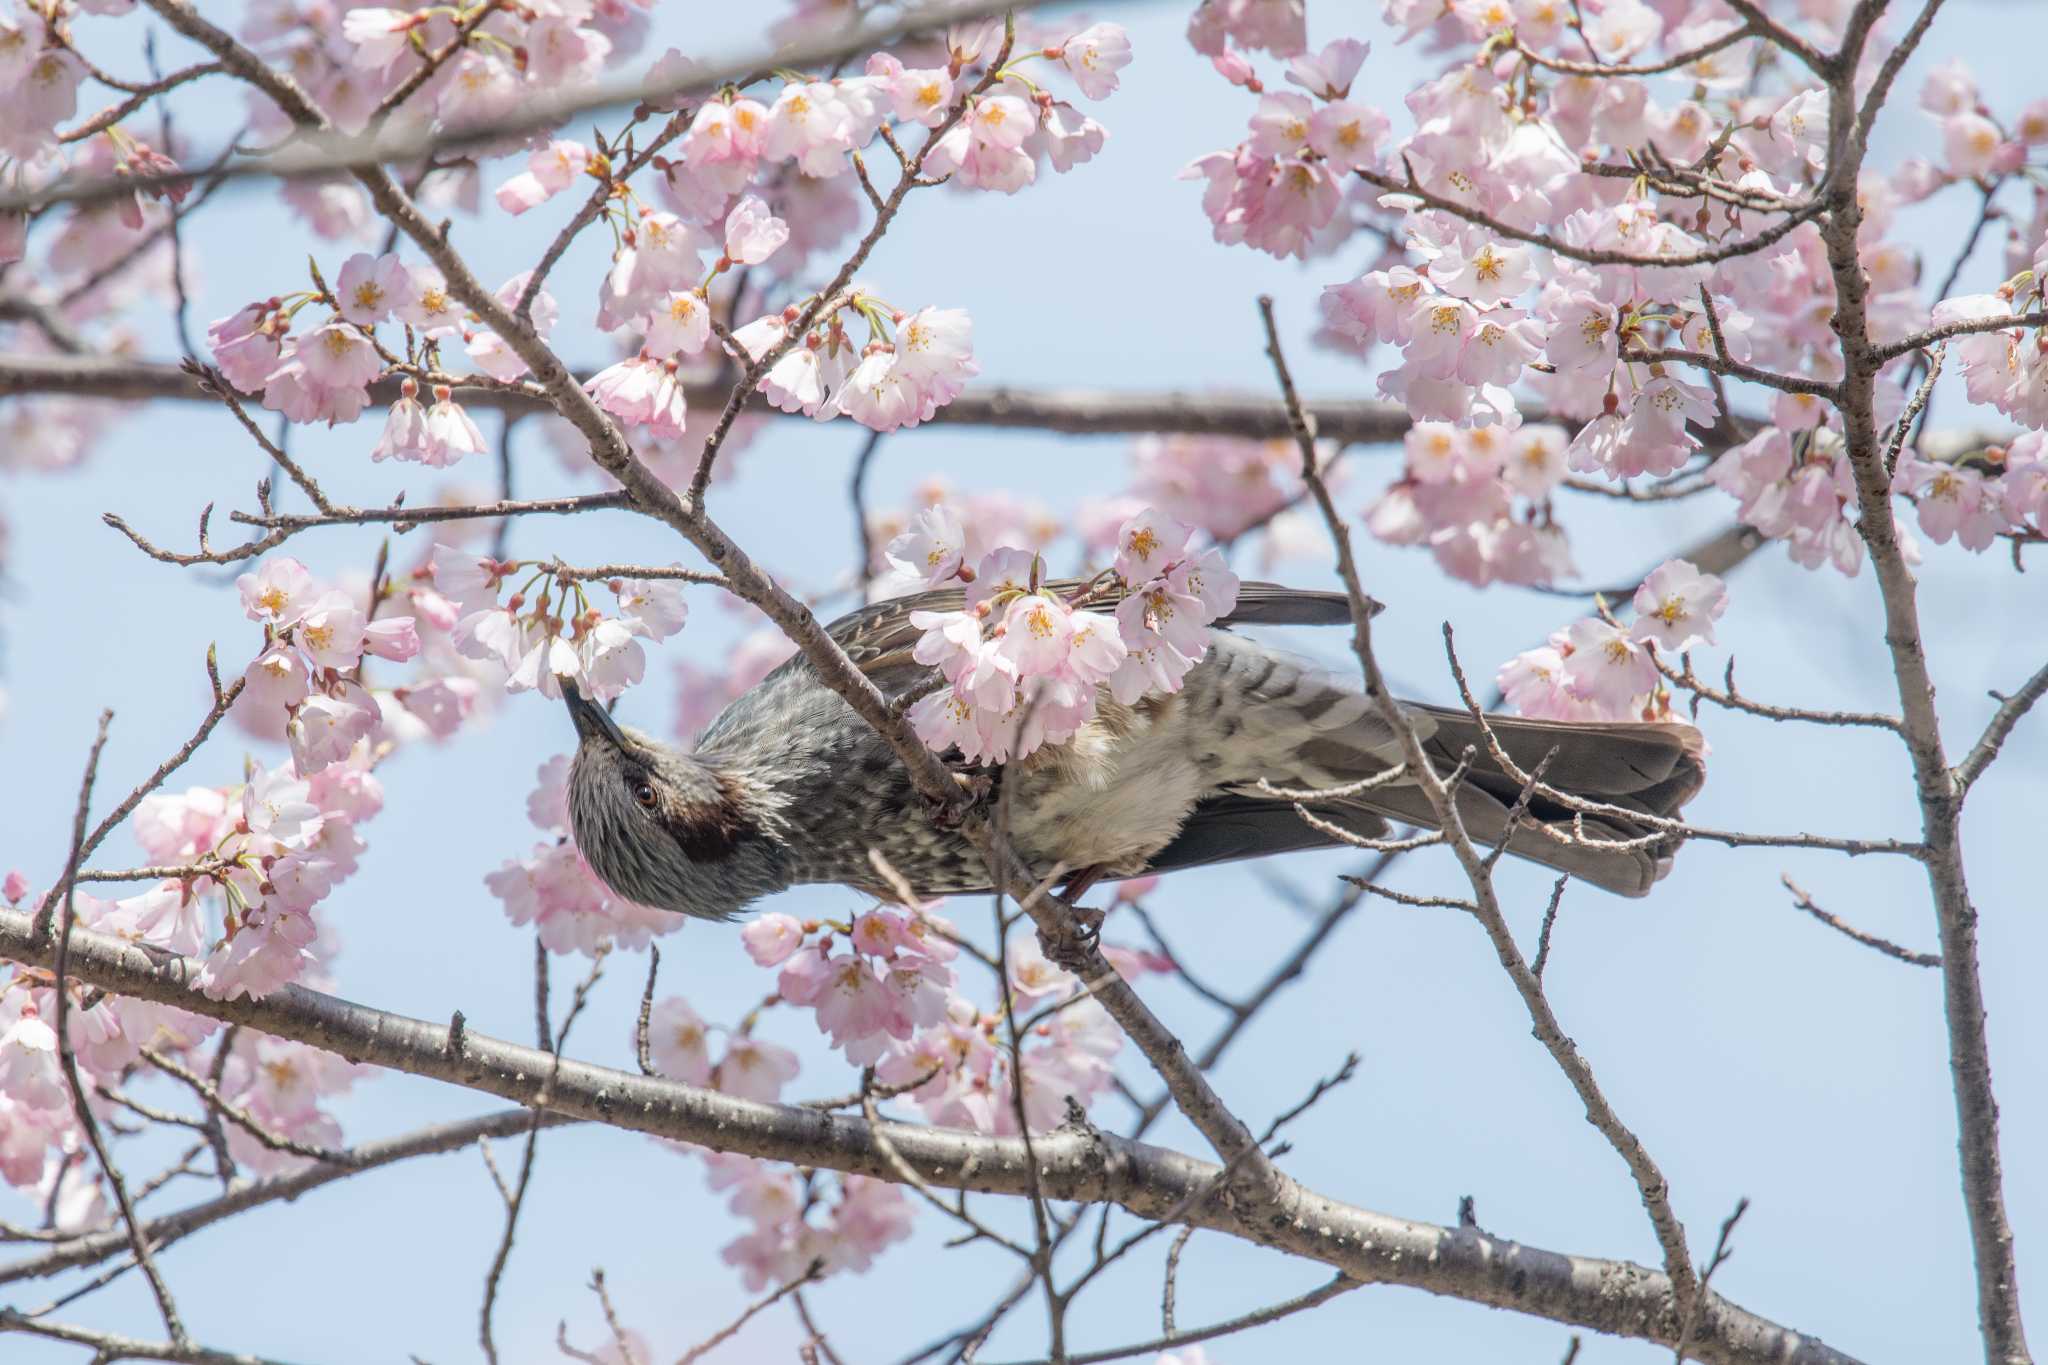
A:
{"x":950,"y":815}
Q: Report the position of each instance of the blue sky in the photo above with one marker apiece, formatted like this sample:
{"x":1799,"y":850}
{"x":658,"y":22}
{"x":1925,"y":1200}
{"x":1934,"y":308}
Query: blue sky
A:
{"x":1755,"y":1053}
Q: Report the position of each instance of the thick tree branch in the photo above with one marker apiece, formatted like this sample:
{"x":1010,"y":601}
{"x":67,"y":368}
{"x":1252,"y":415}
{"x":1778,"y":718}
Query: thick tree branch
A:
{"x":1600,"y":1295}
{"x":1072,"y":411}
{"x":1998,"y":1297}
{"x":535,"y":113}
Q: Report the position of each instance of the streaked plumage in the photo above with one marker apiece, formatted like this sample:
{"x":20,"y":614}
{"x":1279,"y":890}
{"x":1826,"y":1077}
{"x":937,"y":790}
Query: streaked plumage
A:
{"x":789,"y":786}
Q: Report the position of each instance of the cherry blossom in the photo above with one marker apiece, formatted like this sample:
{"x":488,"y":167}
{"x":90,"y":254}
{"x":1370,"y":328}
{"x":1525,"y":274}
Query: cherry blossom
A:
{"x":1677,"y":605}
{"x":1606,"y":667}
{"x":642,"y":391}
{"x":549,"y":171}
{"x":1094,"y":56}
{"x":369,"y":287}
{"x":752,"y":234}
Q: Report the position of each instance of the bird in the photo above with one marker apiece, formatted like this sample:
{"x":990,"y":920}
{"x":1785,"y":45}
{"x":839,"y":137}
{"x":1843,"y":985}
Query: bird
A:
{"x":788,"y":785}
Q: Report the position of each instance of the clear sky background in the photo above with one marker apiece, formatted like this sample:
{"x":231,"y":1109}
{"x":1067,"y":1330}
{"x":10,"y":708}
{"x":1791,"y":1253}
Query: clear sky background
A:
{"x":1755,"y":1053}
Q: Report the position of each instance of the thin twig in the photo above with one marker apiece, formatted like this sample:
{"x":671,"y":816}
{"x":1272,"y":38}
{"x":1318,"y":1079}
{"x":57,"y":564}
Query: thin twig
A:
{"x":1802,"y":900}
{"x":167,"y":1308}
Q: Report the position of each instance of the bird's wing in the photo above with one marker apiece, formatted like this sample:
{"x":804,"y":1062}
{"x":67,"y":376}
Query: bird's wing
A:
{"x":880,"y":634}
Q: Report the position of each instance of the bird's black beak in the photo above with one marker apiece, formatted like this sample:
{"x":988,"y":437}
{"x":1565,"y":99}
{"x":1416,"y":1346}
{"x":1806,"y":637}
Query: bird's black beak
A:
{"x":592,"y":720}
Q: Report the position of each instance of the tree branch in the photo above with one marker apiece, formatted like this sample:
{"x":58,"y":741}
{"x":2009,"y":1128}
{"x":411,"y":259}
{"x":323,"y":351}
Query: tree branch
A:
{"x":2009,"y":714}
{"x":1072,"y":411}
{"x":1600,"y":1295}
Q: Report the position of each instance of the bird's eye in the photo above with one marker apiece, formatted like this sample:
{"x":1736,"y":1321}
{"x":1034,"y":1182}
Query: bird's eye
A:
{"x":643,"y":792}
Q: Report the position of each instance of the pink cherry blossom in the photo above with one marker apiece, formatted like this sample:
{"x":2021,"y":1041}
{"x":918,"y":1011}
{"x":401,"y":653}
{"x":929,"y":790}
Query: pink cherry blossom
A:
{"x":379,"y":36}
{"x":1677,"y":605}
{"x":369,"y":287}
{"x":245,"y":346}
{"x":1328,"y":74}
{"x":450,"y":434}
{"x":642,"y":391}
{"x":549,"y":171}
{"x":931,"y":550}
{"x":395,"y":638}
{"x":676,"y":1042}
{"x":772,"y":938}
{"x":1533,"y":683}
{"x":679,"y":323}
{"x":277,"y":592}
{"x":405,"y":427}
{"x":441,"y":704}
{"x":754,"y":1069}
{"x":338,"y":357}
{"x":1606,"y":667}
{"x":651,"y":607}
{"x":752,"y":234}
{"x":29,"y":1070}
{"x":427,"y":306}
{"x":331,"y":631}
{"x":919,"y":96}
{"x":1146,"y":544}
{"x":1094,"y":56}
{"x":324,"y":728}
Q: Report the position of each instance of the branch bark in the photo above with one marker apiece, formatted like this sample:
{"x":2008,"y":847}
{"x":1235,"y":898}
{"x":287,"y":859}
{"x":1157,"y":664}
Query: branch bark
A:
{"x":1073,"y":411}
{"x":1940,"y":793}
{"x":1602,"y":1295}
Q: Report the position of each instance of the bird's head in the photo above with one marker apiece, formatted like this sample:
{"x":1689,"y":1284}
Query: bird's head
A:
{"x":662,"y":827}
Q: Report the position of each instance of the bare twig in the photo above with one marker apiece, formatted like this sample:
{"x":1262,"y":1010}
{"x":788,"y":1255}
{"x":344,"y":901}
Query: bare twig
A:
{"x":1722,"y":1251}
{"x":2011,"y":711}
{"x":1543,"y":935}
{"x":1340,"y":1284}
{"x":1804,"y":901}
{"x":1649,"y":1180}
{"x":167,"y":1308}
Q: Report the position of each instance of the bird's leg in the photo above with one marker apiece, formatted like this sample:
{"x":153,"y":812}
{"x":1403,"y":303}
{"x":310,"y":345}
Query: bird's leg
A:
{"x":1079,"y":885}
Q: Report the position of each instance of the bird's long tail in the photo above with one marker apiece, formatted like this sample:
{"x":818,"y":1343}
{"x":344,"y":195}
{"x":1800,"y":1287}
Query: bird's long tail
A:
{"x":1653,"y":769}
{"x":1330,"y":737}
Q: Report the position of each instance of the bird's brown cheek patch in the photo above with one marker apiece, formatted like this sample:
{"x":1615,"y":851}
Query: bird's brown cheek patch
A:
{"x":708,"y":831}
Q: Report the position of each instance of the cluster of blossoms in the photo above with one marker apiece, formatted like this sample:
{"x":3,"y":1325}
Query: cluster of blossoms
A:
{"x":1025,"y":659}
{"x":323,"y":373}
{"x":1479,"y":498}
{"x":988,"y":520}
{"x":1598,"y":670}
{"x":866,"y":1218}
{"x":984,"y":128}
{"x":892,"y":381}
{"x":553,"y":889}
{"x":881,"y":988}
{"x":961,"y":1073}
{"x":2006,"y":368}
{"x":892,"y":978}
{"x":1279,"y":190}
{"x":306,"y":684}
{"x":562,"y":637}
{"x":1220,"y":485}
{"x":2006,"y":495}
{"x":1622,"y":266}
{"x":1797,"y":487}
{"x":270,"y":852}
{"x":259,"y":857}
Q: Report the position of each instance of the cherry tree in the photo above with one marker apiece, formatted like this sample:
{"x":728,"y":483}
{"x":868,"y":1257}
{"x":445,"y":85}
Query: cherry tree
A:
{"x":1599,"y":262}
